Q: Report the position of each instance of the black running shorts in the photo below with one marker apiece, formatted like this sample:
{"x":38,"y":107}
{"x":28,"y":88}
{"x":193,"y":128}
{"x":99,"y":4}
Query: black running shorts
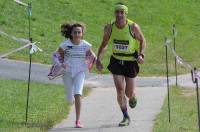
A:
{"x":126,"y":68}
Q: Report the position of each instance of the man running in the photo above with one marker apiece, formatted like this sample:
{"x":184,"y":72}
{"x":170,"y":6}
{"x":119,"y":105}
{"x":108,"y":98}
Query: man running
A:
{"x":128,"y":45}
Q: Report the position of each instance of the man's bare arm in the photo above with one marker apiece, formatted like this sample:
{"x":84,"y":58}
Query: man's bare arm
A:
{"x":103,"y":46}
{"x":104,"y":43}
{"x":140,"y":37}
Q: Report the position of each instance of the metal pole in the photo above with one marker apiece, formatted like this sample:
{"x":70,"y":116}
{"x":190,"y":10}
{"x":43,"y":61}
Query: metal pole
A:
{"x":30,"y":58}
{"x":29,"y":78}
{"x":197,"y":91}
{"x":174,"y":36}
{"x":167,"y":72}
{"x":29,"y":20}
{"x":197,"y":87}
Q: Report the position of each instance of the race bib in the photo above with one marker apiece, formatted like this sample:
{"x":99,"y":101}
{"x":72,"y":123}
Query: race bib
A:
{"x":121,"y":45}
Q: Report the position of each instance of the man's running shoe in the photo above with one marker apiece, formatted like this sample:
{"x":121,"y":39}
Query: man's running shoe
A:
{"x":132,"y":102}
{"x":125,"y":122}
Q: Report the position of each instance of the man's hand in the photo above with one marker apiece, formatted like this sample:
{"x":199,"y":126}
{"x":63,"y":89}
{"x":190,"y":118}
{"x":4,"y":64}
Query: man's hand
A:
{"x":140,"y":59}
{"x":99,"y":65}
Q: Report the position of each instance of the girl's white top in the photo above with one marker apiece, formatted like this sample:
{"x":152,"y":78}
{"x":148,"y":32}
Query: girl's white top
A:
{"x":75,"y":56}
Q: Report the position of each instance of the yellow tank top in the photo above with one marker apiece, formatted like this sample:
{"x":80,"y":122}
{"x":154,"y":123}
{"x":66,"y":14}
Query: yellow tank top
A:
{"x":123,"y":43}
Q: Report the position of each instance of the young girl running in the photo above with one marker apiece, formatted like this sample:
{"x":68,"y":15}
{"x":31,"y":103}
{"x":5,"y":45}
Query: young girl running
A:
{"x":77,"y":58}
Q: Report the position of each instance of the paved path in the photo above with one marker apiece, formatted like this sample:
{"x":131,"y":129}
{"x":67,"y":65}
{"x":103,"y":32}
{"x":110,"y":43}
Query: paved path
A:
{"x":100,"y":112}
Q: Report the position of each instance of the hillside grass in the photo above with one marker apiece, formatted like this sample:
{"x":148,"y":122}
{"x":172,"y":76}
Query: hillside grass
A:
{"x":155,"y":18}
{"x":47,"y":106}
{"x":184,"y":115}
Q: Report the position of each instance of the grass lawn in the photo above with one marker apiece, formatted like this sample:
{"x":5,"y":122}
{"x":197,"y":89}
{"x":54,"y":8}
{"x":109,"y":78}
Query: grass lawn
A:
{"x":47,"y":106}
{"x":155,"y":18}
{"x":183,"y":112}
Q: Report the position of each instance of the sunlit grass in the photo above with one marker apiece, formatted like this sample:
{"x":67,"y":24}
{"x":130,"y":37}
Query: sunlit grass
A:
{"x":155,"y":19}
{"x":184,"y":117}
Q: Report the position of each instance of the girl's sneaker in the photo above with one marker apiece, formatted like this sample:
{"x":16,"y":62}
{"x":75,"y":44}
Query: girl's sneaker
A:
{"x":78,"y":124}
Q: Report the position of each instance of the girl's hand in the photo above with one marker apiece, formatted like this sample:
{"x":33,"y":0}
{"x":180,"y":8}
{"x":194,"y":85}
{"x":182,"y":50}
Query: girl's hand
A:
{"x":64,"y":65}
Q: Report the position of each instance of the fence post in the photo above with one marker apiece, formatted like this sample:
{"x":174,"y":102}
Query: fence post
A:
{"x":30,"y":59}
{"x":167,"y":72}
{"x":197,"y":91}
{"x":175,"y":62}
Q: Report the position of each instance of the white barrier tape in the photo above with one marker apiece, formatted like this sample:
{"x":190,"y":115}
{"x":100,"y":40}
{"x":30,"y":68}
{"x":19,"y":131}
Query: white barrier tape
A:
{"x":175,"y":33}
{"x":20,"y":3}
{"x":167,"y":41}
{"x":3,"y":33}
{"x":14,"y":38}
{"x":33,"y":49}
{"x":197,"y":76}
{"x":15,"y":50}
{"x":181,"y":61}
